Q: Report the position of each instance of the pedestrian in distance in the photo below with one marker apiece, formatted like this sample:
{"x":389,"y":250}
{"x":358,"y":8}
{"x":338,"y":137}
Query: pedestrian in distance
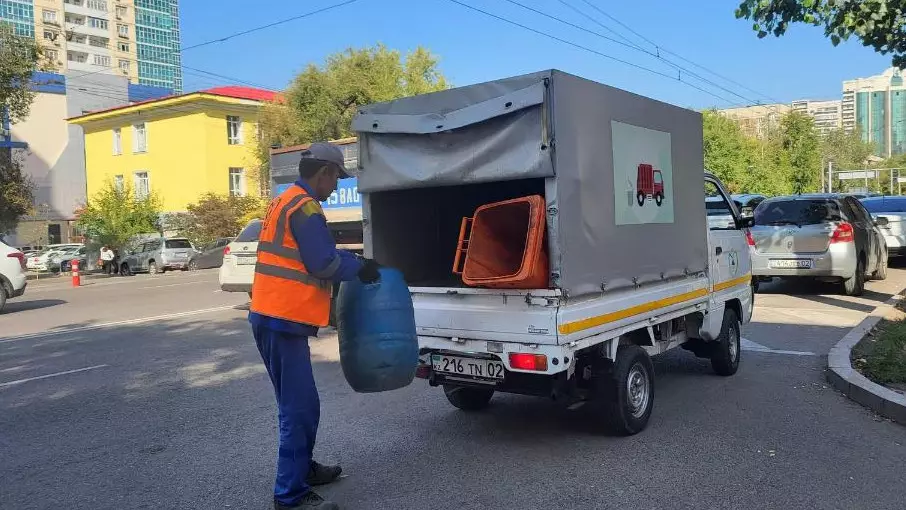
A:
{"x":298,"y":263}
{"x":107,"y":260}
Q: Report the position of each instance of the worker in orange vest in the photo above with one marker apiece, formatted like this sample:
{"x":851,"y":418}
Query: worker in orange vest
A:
{"x":298,"y":262}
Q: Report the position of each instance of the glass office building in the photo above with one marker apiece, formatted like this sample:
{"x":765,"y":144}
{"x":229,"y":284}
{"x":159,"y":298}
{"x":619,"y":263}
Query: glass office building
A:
{"x":20,"y":14}
{"x":875,"y":107}
{"x":158,"y":43}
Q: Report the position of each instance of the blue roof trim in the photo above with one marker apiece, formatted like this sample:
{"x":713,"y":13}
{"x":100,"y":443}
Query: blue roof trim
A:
{"x":139,"y":92}
{"x":48,"y":83}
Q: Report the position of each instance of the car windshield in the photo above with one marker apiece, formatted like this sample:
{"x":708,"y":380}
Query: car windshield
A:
{"x":885,"y":205}
{"x":178,"y":243}
{"x":250,"y":233}
{"x":797,"y":212}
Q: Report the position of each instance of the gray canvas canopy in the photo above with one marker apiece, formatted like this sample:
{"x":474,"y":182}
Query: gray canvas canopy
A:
{"x":623,"y":173}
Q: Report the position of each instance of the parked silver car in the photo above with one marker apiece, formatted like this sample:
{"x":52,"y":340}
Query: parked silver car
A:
{"x":893,"y":211}
{"x":158,"y":255}
{"x":826,"y":237}
{"x":210,"y":255}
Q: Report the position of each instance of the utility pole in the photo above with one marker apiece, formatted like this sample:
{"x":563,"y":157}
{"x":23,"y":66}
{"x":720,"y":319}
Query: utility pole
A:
{"x":830,"y":176}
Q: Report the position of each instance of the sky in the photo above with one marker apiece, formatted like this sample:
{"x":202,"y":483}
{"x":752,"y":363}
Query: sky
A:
{"x":473,"y":47}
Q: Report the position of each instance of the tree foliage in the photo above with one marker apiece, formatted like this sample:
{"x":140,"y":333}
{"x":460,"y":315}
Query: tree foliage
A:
{"x":215,"y":216}
{"x":113,"y":217}
{"x":16,"y":193}
{"x":876,"y":23}
{"x":20,"y":57}
{"x":322,"y":100}
{"x":845,"y":150}
{"x":787,"y":158}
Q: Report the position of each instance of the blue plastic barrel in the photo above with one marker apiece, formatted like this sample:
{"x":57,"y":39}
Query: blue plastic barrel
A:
{"x":376,"y":324}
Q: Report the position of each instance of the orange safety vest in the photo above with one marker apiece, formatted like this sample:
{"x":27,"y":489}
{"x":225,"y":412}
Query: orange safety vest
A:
{"x":283,"y":287}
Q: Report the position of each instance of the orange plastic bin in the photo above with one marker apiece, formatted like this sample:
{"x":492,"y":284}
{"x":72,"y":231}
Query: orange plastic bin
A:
{"x":504,"y":248}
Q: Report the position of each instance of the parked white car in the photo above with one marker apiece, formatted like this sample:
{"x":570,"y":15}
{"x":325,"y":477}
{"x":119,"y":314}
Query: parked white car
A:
{"x":239,"y":258}
{"x":894,"y":230}
{"x":41,"y":261}
{"x":12,"y":273}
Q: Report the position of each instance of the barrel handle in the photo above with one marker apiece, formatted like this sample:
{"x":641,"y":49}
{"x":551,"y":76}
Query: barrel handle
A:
{"x":462,"y":246}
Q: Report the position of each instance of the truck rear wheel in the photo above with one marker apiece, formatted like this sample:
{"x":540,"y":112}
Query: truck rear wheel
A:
{"x":640,"y":198}
{"x":468,"y":399}
{"x":625,"y":395}
{"x":726,"y":353}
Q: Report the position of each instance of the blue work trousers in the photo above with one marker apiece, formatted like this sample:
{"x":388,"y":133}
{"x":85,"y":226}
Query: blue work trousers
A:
{"x":288,"y":362}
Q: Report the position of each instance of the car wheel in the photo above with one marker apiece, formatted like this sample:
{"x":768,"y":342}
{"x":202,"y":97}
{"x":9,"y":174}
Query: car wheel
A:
{"x":193,"y":265}
{"x":855,"y":286}
{"x":124,"y":269}
{"x":468,"y":399}
{"x":2,"y":297}
{"x":640,"y":198}
{"x":152,"y":268}
{"x":727,"y":348}
{"x":625,"y":393}
{"x":659,"y":199}
{"x":881,"y":272}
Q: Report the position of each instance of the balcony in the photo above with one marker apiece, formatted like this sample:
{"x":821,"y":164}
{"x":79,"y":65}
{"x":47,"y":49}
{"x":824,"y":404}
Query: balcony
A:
{"x":83,"y":10}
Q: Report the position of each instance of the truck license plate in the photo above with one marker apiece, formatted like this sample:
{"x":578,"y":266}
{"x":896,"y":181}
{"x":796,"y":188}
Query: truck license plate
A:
{"x":473,"y":367}
{"x":792,"y":264}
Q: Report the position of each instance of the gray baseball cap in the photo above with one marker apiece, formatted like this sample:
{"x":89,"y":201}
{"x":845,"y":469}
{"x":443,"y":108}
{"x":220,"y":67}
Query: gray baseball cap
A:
{"x":328,"y":152}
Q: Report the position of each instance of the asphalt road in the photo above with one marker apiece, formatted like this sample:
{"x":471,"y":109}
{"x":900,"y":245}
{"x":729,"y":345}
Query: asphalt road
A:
{"x":148,"y":392}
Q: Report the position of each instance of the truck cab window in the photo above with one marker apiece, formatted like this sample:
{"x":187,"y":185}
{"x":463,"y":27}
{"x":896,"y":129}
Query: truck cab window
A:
{"x":719,"y":212}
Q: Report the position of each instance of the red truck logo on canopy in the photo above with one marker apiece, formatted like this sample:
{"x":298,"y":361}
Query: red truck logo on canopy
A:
{"x":649,"y":185}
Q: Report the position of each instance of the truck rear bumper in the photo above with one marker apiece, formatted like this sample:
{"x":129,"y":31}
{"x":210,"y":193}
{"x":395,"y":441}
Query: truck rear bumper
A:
{"x":559,"y":358}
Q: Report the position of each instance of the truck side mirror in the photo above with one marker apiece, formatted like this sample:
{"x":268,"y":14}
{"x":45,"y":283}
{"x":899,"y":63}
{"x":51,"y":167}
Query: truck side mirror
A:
{"x":745,"y":222}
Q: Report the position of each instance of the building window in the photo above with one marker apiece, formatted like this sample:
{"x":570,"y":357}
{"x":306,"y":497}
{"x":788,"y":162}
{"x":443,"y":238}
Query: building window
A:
{"x":118,"y":184}
{"x":102,"y":60}
{"x":139,"y":138}
{"x":75,"y":20}
{"x":122,"y":30}
{"x":234,"y":130}
{"x":50,"y":16}
{"x":99,"y":42}
{"x":98,"y":5}
{"x":98,"y":23}
{"x":77,"y":56}
{"x":237,"y":182}
{"x":117,"y":141}
{"x":51,"y":55}
{"x":124,"y":66}
{"x":123,"y":46}
{"x":50,"y":35}
{"x":142,"y":185}
{"x":120,"y":12}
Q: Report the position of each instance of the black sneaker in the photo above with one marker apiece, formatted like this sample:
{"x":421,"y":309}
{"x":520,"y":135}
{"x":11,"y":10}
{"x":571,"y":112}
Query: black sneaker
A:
{"x":319,"y":474}
{"x":310,"y":501}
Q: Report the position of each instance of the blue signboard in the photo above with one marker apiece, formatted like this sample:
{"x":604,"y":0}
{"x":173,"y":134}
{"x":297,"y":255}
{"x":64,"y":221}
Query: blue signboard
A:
{"x":346,"y":195}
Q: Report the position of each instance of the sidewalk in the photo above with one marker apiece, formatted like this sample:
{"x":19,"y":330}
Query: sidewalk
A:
{"x":32,"y":276}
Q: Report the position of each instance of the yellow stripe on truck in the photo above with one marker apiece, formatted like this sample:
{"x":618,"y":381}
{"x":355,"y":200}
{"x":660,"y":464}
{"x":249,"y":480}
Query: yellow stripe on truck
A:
{"x":732,"y":283}
{"x":592,"y":322}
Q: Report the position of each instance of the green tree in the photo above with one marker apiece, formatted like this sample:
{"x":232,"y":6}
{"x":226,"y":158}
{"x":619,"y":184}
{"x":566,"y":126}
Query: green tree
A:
{"x":215,"y":216}
{"x":728,"y":152}
{"x":19,"y":59}
{"x":800,"y":142}
{"x":322,"y":100}
{"x":876,"y":23}
{"x":16,"y":193}
{"x":113,"y":217}
{"x":846,"y":150}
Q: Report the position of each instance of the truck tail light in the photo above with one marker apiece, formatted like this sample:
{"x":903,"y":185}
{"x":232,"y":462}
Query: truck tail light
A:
{"x":524,"y":361}
{"x":20,"y":256}
{"x":842,"y":234}
{"x":423,"y":371}
{"x":749,"y":239}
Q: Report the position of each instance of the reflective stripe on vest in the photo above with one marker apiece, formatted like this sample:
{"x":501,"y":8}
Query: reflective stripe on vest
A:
{"x":283,"y":287}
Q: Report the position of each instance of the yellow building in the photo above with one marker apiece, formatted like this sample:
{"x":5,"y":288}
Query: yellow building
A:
{"x":178,"y":147}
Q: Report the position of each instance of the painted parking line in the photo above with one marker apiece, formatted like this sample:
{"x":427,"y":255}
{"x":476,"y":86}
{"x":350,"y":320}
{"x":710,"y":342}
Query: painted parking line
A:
{"x":748,"y":345}
{"x":129,"y":322}
{"x":48,"y":376}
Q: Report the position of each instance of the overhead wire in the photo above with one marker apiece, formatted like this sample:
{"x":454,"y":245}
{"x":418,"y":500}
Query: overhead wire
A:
{"x":590,"y":50}
{"x":243,"y":32}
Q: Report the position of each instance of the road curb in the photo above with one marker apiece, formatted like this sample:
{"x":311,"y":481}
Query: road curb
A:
{"x":842,"y":376}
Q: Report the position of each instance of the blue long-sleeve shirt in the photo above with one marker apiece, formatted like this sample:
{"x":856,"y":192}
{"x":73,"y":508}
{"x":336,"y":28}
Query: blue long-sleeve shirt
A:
{"x":319,"y":254}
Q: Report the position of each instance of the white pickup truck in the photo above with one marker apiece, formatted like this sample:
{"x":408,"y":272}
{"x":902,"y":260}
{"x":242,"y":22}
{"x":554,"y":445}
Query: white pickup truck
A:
{"x":636,"y":268}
